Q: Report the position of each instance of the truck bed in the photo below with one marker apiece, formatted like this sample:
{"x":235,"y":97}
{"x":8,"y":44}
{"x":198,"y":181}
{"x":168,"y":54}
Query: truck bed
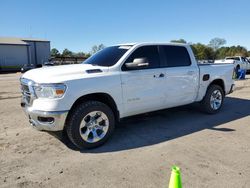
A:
{"x":222,"y":71}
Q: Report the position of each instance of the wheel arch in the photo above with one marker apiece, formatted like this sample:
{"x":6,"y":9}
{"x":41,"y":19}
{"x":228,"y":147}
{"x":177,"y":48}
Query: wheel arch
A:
{"x":218,"y":82}
{"x":101,"y":97}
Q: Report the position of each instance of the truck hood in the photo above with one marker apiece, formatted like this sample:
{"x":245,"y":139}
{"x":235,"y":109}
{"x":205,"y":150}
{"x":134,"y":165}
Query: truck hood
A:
{"x":57,"y":74}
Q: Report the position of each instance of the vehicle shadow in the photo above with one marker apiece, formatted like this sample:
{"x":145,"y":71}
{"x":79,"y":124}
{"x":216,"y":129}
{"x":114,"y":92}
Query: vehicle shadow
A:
{"x":161,"y":126}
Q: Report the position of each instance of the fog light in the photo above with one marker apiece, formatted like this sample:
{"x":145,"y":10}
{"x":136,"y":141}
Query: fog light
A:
{"x":46,"y":119}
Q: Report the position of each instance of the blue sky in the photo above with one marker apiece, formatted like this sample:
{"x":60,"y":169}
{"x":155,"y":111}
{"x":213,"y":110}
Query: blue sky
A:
{"x":78,"y":25}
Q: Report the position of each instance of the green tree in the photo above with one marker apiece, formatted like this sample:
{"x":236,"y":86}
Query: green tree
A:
{"x":54,"y":52}
{"x":231,"y":51}
{"x":202,"y":51}
{"x":97,"y":48}
{"x":179,"y":41}
{"x":80,"y":54}
{"x":67,"y":52}
{"x":87,"y":55}
{"x":216,"y":43}
{"x":222,"y":52}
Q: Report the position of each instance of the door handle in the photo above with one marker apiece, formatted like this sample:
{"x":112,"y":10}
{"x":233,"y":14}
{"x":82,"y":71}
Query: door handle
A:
{"x":161,"y":75}
{"x":190,"y":72}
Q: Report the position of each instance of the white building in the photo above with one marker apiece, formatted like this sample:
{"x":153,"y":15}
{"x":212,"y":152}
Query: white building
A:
{"x":15,"y":52}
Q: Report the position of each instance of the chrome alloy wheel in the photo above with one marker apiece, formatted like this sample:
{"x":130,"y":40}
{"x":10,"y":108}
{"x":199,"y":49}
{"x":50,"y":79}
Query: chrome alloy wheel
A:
{"x":94,"y":126}
{"x":216,"y":99}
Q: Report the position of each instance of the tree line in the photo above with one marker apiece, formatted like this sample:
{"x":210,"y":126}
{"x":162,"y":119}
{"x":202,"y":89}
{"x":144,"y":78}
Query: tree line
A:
{"x":216,"y":49}
{"x":67,"y":53}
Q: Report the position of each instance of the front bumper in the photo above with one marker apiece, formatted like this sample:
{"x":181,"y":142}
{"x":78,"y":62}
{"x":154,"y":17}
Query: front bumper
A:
{"x":43,"y":120}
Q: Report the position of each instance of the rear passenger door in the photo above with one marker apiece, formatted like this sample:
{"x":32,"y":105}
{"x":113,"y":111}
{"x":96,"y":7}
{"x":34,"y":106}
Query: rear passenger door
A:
{"x":182,"y":77}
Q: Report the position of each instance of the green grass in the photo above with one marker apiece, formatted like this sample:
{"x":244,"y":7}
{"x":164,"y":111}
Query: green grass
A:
{"x":10,"y":67}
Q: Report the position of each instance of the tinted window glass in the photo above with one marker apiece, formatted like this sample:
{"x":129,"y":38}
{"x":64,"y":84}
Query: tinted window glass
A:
{"x":108,"y":56}
{"x":233,"y":58}
{"x":176,"y":56}
{"x":149,"y":52}
{"x":244,"y":59}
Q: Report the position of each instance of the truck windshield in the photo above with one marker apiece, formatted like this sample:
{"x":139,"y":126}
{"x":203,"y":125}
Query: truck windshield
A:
{"x":108,"y":56}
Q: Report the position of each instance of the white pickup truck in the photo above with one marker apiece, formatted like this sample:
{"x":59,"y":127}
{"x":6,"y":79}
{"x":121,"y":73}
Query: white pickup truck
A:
{"x":239,"y":62}
{"x":86,"y":100}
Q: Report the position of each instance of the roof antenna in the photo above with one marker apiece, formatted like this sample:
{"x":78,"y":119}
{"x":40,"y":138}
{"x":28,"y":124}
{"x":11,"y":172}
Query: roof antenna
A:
{"x":30,"y":34}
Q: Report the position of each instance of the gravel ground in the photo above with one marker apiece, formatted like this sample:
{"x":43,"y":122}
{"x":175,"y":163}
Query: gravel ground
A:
{"x":212,"y":150}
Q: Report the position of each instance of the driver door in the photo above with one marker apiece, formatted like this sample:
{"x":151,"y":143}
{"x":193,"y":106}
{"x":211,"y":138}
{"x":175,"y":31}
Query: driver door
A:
{"x":143,"y":89}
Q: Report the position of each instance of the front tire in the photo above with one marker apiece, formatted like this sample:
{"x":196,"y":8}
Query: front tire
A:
{"x":213,"y":100}
{"x":90,"y":124}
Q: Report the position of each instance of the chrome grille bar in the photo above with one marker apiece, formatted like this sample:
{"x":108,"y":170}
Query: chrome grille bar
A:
{"x":27,"y":91}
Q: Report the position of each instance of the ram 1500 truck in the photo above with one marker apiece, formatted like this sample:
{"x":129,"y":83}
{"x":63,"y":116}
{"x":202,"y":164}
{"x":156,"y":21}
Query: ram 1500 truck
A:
{"x":86,"y":100}
{"x":238,"y":62}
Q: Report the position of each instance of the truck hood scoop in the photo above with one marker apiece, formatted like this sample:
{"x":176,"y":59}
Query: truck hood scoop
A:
{"x":93,"y":71}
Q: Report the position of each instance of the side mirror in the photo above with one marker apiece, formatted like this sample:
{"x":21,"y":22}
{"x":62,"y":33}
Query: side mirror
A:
{"x":137,"y":63}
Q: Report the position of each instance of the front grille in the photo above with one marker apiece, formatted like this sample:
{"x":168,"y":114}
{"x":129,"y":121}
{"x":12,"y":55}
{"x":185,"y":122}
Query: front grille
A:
{"x":26,"y":91}
{"x":25,"y":88}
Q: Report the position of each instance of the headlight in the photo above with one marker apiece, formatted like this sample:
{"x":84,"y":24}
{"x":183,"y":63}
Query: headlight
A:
{"x":50,"y":91}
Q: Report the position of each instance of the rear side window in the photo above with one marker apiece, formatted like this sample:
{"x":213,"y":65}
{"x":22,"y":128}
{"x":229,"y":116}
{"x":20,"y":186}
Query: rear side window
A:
{"x":149,"y":52}
{"x":176,"y":56}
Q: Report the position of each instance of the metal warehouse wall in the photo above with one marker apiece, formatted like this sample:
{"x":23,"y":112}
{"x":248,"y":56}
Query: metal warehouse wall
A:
{"x":43,"y":52}
{"x":13,"y":56}
{"x":39,"y":51}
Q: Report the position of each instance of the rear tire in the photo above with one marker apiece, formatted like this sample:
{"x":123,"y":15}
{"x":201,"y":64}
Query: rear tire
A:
{"x":90,"y":124}
{"x":213,"y":100}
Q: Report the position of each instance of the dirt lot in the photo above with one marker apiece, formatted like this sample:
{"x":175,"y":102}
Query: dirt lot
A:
{"x":212,"y":150}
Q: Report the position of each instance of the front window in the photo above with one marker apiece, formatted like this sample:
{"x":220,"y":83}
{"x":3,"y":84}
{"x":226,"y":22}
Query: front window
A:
{"x":108,"y":56}
{"x":148,"y":52}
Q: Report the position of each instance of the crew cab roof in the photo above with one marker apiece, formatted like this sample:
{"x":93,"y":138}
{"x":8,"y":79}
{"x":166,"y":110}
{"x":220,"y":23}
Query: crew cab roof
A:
{"x":152,"y":43}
